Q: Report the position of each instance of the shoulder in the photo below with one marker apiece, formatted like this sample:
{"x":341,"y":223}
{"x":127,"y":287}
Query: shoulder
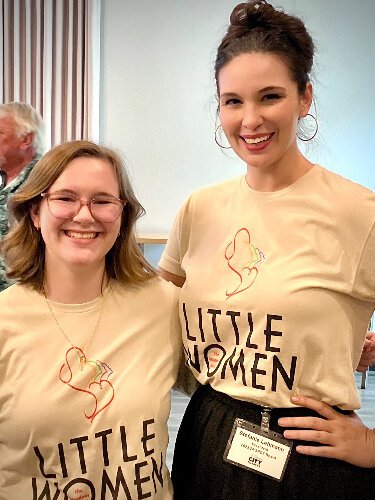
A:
{"x":155,"y":291}
{"x":205,"y":206}
{"x":18,"y":301}
{"x":346,"y":187}
{"x":351,"y":210}
{"x":224,"y":188}
{"x":162,"y":288}
{"x":151,"y":307}
{"x":14,"y":293}
{"x":351,"y":200}
{"x":213,"y":195}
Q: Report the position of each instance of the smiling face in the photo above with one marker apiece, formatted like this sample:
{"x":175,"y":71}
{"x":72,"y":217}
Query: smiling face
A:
{"x":80,"y":240}
{"x":259,"y":108}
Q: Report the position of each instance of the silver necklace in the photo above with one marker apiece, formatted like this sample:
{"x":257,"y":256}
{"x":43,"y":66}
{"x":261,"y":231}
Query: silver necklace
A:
{"x":80,"y":352}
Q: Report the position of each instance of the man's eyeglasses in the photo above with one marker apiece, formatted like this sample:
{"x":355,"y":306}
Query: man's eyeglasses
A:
{"x":66,"y":206}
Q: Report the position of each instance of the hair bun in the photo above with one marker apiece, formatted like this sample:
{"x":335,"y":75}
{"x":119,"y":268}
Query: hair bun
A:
{"x":250,"y":15}
{"x":256,"y":26}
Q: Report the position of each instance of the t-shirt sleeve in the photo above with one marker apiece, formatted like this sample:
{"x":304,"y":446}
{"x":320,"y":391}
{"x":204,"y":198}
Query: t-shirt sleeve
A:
{"x":171,"y":259}
{"x":364,"y":282}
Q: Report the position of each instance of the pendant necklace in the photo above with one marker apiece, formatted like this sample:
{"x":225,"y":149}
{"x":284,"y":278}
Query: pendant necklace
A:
{"x":80,"y":352}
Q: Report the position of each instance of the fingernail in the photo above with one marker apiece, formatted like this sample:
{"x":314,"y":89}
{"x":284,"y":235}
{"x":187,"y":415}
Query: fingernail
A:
{"x":294,"y":399}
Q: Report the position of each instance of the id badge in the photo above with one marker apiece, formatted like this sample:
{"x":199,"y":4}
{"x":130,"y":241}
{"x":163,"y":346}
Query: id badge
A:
{"x":250,"y":447}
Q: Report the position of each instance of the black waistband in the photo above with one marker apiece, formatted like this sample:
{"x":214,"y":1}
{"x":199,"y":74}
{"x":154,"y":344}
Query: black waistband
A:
{"x":252,"y":409}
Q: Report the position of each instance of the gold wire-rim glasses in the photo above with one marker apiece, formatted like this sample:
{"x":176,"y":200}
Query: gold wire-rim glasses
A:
{"x":88,"y":203}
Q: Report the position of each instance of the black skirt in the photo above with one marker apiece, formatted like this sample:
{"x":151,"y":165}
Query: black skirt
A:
{"x":200,"y":473}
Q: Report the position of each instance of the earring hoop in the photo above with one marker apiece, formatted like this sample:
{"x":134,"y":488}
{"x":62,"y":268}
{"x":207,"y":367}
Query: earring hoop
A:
{"x":316,"y":129}
{"x":217,"y":142}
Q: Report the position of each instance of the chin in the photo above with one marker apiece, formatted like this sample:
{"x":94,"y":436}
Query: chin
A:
{"x":82,"y":261}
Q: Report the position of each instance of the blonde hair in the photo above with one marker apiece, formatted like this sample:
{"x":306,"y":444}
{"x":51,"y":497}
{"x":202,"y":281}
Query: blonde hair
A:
{"x":28,"y":121}
{"x":23,"y":247}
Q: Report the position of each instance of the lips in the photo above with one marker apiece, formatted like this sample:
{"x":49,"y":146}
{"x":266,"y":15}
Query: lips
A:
{"x":258,"y":139}
{"x":81,"y":236}
{"x":257,"y":143}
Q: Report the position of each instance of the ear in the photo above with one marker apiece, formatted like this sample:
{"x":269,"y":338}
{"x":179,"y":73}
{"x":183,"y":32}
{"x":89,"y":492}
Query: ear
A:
{"x":27,"y":140}
{"x":34,"y":214}
{"x":306,"y":100}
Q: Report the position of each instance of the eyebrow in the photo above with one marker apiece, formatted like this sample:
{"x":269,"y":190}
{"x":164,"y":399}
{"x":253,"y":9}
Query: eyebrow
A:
{"x":261,"y":91}
{"x":274,"y":88}
{"x":228,"y":94}
{"x":100,"y":193}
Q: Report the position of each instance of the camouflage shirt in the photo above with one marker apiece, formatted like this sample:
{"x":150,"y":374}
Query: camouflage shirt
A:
{"x":5,"y":194}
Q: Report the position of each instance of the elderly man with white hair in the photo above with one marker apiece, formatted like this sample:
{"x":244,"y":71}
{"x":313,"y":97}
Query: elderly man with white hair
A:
{"x":21,"y":146}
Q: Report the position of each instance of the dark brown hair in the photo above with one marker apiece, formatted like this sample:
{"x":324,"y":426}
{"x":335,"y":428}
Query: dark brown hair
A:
{"x":256,"y":26}
{"x":23,"y":247}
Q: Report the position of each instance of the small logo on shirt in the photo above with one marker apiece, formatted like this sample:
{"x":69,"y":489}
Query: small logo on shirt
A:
{"x":243,"y":259}
{"x":90,"y":380}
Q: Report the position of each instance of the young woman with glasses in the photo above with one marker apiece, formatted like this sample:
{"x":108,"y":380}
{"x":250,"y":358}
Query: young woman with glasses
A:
{"x":89,"y":342}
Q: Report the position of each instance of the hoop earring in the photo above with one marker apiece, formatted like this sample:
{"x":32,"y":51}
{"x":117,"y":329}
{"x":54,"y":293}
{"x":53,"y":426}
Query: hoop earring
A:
{"x":217,"y":142}
{"x":316,"y":129}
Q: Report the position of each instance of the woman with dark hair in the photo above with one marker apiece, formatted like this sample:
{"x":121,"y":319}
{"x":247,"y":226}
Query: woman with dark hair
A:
{"x":278,"y":287}
{"x":85,"y":385}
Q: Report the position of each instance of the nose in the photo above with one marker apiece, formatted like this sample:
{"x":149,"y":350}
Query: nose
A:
{"x":84,"y":214}
{"x":252,"y":117}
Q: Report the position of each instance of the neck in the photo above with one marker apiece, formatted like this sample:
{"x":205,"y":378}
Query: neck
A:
{"x":74,"y":286}
{"x":13,"y":170}
{"x":279,"y":175}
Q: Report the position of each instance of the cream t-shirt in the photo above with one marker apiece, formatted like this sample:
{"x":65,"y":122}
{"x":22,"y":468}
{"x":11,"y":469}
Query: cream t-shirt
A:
{"x":96,"y":433}
{"x":280,"y":287}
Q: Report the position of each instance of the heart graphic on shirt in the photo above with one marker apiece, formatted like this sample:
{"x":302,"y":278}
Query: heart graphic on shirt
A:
{"x":213,"y":356}
{"x":243,"y":259}
{"x":90,"y":378}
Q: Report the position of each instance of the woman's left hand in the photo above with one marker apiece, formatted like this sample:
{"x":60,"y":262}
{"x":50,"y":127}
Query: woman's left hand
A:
{"x":344,"y":437}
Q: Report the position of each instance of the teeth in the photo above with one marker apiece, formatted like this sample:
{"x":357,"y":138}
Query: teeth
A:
{"x":81,"y":236}
{"x":257,"y":140}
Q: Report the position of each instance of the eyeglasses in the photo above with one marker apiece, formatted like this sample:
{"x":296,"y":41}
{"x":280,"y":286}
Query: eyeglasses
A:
{"x":67,"y":206}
